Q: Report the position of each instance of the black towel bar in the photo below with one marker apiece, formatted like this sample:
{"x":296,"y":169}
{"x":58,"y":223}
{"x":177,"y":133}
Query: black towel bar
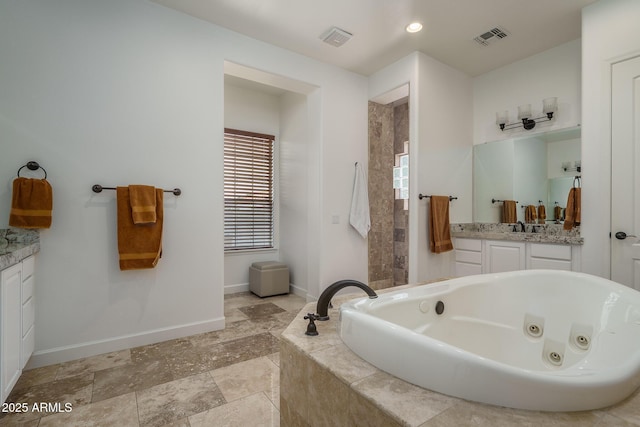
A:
{"x":422,"y":196}
{"x":500,"y":201}
{"x":98,"y":189}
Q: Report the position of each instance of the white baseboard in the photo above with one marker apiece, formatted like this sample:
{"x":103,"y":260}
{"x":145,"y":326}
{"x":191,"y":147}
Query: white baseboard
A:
{"x":244,"y":287}
{"x":298,"y":291}
{"x":234,"y":289}
{"x":93,"y":348}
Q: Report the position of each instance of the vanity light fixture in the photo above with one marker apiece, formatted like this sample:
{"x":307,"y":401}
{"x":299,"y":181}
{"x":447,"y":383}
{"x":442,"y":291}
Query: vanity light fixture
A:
{"x":549,"y":107}
{"x":414,"y":27}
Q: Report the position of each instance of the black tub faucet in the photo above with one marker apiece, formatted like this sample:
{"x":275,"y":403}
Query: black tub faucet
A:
{"x":322,"y":308}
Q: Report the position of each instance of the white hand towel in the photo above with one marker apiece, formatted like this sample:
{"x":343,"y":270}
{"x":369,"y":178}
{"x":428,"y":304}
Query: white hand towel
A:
{"x":359,"y":217}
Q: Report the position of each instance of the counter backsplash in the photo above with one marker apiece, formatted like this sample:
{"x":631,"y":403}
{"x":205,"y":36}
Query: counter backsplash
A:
{"x":551,"y":233}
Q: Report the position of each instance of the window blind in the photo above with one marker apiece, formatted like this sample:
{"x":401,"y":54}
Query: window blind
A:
{"x":248,"y":190}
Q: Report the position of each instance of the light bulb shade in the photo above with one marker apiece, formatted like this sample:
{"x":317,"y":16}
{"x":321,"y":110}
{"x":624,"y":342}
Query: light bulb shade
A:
{"x":524,"y":111}
{"x":414,"y":27}
{"x":502,"y":117}
{"x":550,"y":105}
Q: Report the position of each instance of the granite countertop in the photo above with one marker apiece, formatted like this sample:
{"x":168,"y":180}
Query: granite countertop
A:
{"x":546,"y":233}
{"x":16,"y":245}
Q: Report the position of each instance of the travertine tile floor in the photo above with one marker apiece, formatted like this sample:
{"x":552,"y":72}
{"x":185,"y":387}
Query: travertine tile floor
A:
{"x":221,"y":378}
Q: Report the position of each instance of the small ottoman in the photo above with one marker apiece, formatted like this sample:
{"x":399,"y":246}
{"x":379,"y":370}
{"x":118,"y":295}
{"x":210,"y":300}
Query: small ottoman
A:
{"x":268,"y":278}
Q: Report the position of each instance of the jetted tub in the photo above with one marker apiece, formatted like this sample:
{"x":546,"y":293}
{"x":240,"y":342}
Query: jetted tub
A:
{"x":537,"y":339}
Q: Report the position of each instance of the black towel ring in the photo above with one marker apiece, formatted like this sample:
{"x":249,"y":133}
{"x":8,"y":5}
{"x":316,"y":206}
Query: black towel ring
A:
{"x":33,"y":166}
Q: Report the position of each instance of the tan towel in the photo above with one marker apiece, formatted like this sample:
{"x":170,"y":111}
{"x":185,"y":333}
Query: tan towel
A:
{"x":139,"y":246}
{"x":439,"y":227}
{"x":530,"y":214}
{"x":143,"y":204}
{"x":542,"y":214}
{"x":509,"y":214}
{"x":31,"y":203}
{"x":572,"y":211}
{"x":557,"y":213}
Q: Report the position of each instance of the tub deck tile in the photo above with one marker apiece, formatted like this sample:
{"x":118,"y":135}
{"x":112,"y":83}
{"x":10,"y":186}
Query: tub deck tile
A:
{"x":409,"y":404}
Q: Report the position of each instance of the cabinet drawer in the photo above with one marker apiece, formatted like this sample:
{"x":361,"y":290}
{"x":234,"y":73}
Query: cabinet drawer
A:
{"x":469,"y":257}
{"x":542,"y":250}
{"x":550,"y":264}
{"x":28,"y":265}
{"x":463,"y":269}
{"x":27,"y":289}
{"x":469,"y":244}
{"x":28,"y":315}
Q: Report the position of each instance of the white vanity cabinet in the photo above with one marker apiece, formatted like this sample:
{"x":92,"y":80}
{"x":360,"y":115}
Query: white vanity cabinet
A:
{"x":16,"y":322}
{"x":476,"y":256}
{"x":503,"y":255}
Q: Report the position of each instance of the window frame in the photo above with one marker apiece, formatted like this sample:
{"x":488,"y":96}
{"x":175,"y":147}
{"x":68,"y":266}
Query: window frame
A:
{"x":249,"y":191}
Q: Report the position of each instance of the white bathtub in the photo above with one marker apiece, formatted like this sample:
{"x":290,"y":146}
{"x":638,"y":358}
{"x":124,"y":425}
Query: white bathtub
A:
{"x":537,"y":339}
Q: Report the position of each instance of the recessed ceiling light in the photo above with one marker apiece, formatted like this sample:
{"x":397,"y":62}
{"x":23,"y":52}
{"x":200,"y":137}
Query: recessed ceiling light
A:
{"x":414,"y":27}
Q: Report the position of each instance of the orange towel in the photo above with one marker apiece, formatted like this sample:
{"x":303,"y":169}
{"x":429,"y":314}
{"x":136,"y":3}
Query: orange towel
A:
{"x":557,"y":213}
{"x":509,"y":215}
{"x":530,"y":214}
{"x":572,"y":211}
{"x":439,"y":227}
{"x":143,"y":204}
{"x":31,"y":203}
{"x":542,"y":214}
{"x":139,"y":246}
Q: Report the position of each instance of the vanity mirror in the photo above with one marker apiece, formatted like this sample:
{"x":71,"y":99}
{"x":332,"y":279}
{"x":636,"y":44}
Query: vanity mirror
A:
{"x":531,"y":169}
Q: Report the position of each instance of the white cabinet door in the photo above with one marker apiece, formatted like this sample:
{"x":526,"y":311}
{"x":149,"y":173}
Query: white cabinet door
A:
{"x":549,"y":256}
{"x":10,"y":328}
{"x":504,"y":256}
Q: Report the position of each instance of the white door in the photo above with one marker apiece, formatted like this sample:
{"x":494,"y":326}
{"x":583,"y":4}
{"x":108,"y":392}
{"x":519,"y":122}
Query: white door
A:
{"x":625,"y":182}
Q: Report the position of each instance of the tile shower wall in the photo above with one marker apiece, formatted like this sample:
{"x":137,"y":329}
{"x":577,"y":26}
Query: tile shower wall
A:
{"x":381,"y":195}
{"x":400,"y":214}
{"x":388,"y":238}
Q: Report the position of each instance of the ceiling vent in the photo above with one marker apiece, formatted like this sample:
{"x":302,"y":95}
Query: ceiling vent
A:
{"x":336,"y":36}
{"x":491,"y":36}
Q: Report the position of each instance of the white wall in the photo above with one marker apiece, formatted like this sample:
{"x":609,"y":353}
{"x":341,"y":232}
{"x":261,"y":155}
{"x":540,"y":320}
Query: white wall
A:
{"x":341,"y":242}
{"x":115,"y":94}
{"x":445,"y":154}
{"x":253,"y":111}
{"x":610,"y":33}
{"x":440,"y":146}
{"x":294,"y":158}
{"x":128,"y":91}
{"x":554,"y":72}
